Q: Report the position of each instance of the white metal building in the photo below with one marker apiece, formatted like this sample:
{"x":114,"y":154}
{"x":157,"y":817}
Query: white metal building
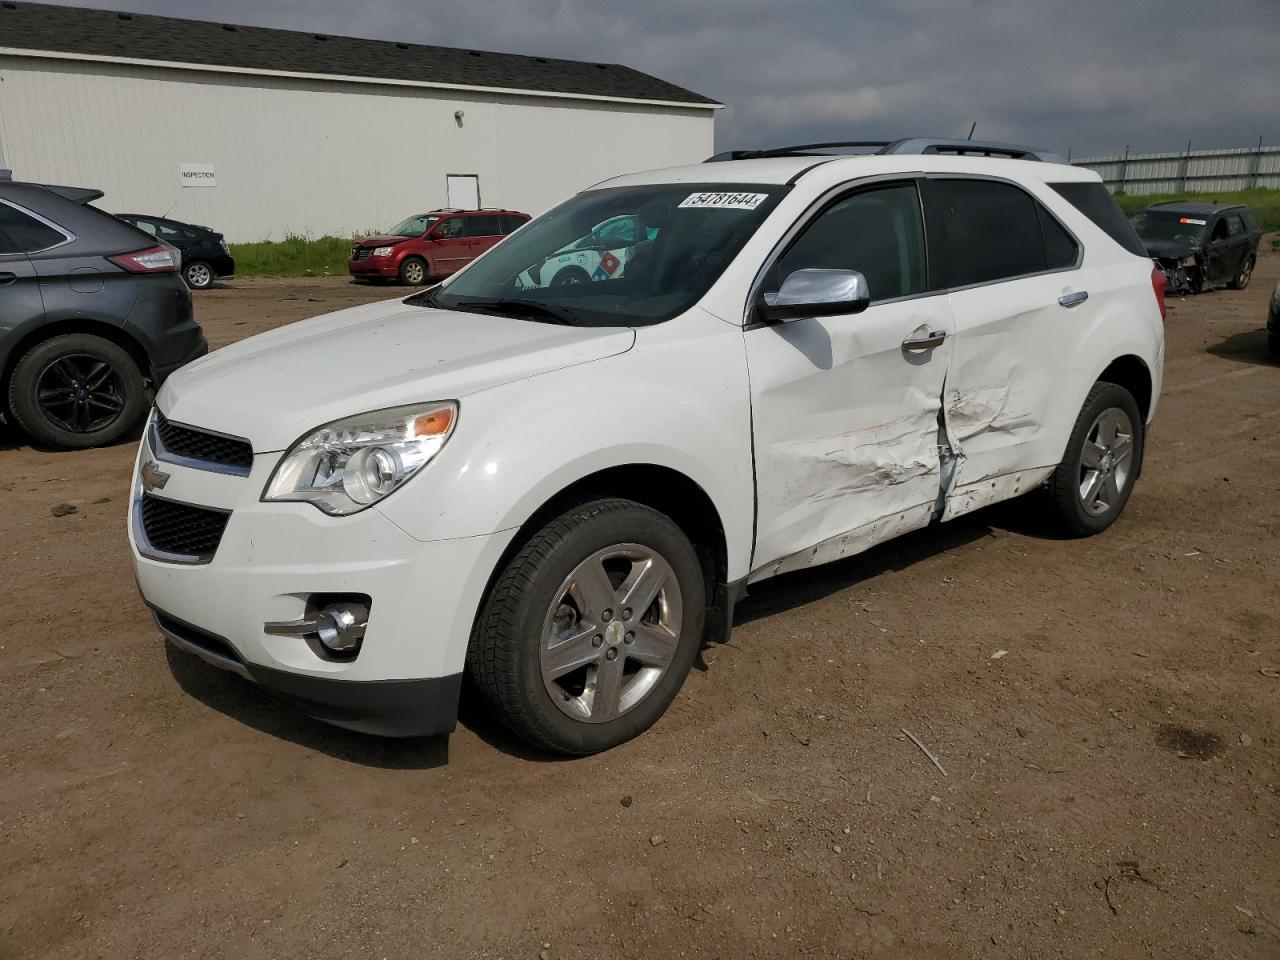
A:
{"x":261,"y":133}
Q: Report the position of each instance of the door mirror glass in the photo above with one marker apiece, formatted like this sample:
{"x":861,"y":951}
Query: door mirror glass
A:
{"x":816,"y":292}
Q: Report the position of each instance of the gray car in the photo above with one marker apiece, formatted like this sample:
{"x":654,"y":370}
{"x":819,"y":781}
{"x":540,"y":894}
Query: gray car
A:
{"x":94,"y":315}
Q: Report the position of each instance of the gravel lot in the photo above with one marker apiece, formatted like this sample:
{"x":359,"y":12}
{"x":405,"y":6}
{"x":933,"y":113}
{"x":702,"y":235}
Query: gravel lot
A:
{"x":1112,"y":783}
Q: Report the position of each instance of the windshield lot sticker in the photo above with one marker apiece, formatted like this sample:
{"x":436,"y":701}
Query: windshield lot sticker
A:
{"x":1198,"y":223}
{"x":725,"y":201}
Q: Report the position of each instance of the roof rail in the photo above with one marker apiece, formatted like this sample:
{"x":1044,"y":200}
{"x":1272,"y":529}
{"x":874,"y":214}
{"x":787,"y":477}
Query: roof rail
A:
{"x":909,"y":145}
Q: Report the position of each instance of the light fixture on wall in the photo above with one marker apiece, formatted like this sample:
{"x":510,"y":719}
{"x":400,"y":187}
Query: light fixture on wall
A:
{"x":457,"y":117}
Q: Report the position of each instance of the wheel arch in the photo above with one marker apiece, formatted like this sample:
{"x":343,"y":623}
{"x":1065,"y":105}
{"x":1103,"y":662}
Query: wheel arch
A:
{"x":1131,"y":372}
{"x":41,"y":332}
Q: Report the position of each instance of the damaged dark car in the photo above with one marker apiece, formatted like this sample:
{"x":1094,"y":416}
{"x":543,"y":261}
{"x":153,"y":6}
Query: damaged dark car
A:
{"x":1200,"y":246}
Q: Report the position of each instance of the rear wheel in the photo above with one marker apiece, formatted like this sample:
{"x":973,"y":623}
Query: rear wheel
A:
{"x":1241,"y":279}
{"x":76,"y":391}
{"x":413,"y":271}
{"x":198,"y":275}
{"x":1091,"y":486}
{"x":589,"y":631}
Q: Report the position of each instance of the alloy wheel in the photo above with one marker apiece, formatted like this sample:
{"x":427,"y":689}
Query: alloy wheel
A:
{"x":80,"y":393}
{"x":414,"y":272}
{"x":611,"y":632}
{"x":199,"y":276}
{"x":1106,"y":462}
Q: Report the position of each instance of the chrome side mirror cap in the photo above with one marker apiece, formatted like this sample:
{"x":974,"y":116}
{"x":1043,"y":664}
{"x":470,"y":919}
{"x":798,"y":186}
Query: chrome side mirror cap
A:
{"x":814,"y":292}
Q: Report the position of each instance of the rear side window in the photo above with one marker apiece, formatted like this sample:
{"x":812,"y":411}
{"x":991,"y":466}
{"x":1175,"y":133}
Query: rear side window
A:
{"x":1060,"y":248}
{"x":1094,"y":202}
{"x":21,"y":233}
{"x":993,"y":230}
{"x":484,"y":226}
{"x":876,"y":232}
{"x":511,"y":224}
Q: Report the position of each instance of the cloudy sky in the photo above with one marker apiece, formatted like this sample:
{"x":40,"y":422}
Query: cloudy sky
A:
{"x":1088,"y":76}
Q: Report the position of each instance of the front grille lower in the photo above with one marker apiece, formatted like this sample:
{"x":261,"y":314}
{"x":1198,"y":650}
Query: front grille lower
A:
{"x":195,"y":444}
{"x":182,"y":530}
{"x":194,"y":636}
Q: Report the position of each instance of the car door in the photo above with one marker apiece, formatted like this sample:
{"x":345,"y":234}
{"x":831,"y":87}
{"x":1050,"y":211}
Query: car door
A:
{"x":451,"y":247}
{"x":1220,"y":265}
{"x":483,"y":231}
{"x":1019,"y":304}
{"x":845,"y":408}
{"x":21,"y":303}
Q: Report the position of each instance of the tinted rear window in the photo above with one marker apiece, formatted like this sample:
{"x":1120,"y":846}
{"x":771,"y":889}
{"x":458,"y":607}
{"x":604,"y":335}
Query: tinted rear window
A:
{"x":20,"y":233}
{"x":1093,"y":200}
{"x":484,"y":226}
{"x":993,"y":230}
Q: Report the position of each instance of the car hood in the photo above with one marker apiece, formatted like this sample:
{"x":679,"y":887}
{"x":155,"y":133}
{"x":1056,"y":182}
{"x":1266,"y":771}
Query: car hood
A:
{"x":382,"y":240}
{"x":273,"y":388}
{"x":1168,"y":249}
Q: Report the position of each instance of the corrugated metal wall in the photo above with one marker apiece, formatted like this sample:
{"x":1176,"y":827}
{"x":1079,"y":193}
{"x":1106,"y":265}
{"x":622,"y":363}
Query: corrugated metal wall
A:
{"x":315,"y":157}
{"x":1197,"y":171}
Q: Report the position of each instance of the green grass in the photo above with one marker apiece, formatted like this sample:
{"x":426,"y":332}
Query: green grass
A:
{"x":1265,"y":203}
{"x":292,"y":257}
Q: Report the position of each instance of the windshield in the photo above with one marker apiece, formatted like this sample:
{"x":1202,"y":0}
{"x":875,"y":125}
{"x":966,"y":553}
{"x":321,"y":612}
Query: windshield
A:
{"x":1165,"y":226}
{"x":626,"y":256}
{"x":414,"y":226}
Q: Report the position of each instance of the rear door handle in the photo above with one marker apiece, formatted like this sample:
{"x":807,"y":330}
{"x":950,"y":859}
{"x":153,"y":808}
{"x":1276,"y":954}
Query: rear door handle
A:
{"x":930,"y":340}
{"x":8,"y":277}
{"x":1073,"y":299}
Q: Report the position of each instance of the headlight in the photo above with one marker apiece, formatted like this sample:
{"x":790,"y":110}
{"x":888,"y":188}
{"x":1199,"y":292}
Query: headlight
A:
{"x":345,"y":466}
{"x":382,"y":251}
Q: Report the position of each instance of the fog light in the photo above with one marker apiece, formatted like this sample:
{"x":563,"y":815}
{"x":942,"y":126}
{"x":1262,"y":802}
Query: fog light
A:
{"x":339,"y":627}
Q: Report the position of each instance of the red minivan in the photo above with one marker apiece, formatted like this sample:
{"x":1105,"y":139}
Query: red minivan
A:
{"x":432,"y":245}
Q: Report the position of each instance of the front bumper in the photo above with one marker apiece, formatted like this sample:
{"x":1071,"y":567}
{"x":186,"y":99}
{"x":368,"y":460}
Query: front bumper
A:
{"x":374,"y":267}
{"x":272,"y":557}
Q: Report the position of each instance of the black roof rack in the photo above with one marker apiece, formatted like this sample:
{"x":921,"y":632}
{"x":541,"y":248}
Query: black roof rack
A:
{"x":909,"y":145}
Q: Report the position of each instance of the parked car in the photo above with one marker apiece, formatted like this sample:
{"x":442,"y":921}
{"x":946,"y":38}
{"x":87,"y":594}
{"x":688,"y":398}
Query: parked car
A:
{"x":431,"y":246}
{"x":93,"y":316}
{"x":205,"y":254}
{"x":1200,"y":245}
{"x":1273,"y":324}
{"x":564,"y":489}
{"x":600,"y":255}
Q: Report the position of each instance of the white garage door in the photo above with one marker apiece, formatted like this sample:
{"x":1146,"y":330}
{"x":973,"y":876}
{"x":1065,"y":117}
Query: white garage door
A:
{"x":464,"y":191}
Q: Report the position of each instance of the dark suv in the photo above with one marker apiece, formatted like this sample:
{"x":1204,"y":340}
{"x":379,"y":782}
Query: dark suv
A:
{"x":205,"y":255}
{"x":430,"y":246}
{"x":1200,"y":245}
{"x":93,"y":316}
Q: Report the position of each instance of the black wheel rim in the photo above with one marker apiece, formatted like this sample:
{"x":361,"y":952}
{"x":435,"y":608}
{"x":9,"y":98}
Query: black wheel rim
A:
{"x":80,"y":393}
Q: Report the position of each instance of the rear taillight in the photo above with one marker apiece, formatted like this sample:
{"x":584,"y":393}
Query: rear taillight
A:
{"x":1158,"y":283}
{"x":161,"y":258}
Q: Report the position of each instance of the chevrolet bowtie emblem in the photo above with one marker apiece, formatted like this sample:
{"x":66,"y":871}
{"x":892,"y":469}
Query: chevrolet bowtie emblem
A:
{"x":153,"y":478}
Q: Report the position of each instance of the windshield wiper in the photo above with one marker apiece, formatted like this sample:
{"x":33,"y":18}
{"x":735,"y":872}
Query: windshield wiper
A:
{"x":529,"y":309}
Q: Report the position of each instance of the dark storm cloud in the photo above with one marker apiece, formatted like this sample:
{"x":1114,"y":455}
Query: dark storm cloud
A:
{"x":1088,"y":76}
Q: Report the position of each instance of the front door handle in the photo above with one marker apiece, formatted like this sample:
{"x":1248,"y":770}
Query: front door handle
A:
{"x":1073,"y":299}
{"x":929,"y":341}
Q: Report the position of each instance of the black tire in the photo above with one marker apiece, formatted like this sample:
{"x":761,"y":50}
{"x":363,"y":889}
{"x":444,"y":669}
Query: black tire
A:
{"x":81,"y":377}
{"x":1273,"y":344}
{"x":1064,"y":484}
{"x":198,"y":274}
{"x":504,"y":655}
{"x":413,"y":271}
{"x":569,"y":276}
{"x":1241,"y":279}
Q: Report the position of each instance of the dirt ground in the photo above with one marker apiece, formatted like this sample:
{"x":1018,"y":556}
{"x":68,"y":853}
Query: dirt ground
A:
{"x":1107,"y":712}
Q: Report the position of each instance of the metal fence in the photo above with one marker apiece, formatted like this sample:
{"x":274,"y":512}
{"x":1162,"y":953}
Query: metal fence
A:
{"x":1190,"y":171}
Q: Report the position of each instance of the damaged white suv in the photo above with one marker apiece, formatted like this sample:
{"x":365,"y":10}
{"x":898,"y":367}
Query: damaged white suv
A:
{"x":564,"y":488}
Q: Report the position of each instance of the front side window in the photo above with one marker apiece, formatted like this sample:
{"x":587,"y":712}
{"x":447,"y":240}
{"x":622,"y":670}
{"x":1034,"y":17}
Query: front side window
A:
{"x":877,"y":232}
{"x":682,"y":236}
{"x":996,"y":231}
{"x":450,"y":229}
{"x":1235,"y":226}
{"x":22,"y":233}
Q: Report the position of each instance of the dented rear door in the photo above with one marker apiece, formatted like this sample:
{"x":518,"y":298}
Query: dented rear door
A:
{"x":845,"y":417}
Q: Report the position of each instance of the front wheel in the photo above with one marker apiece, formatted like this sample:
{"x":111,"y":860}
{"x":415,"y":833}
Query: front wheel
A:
{"x":570,"y":276}
{"x":590,"y":629}
{"x":413,"y":271}
{"x":76,"y":391}
{"x":1091,"y":485}
{"x":1241,"y":279}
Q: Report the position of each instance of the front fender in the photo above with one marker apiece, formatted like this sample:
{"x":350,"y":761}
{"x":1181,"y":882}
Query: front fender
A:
{"x":679,"y":400}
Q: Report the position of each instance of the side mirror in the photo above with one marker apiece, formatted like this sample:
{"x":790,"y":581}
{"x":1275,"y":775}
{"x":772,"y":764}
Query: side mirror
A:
{"x":816,"y":293}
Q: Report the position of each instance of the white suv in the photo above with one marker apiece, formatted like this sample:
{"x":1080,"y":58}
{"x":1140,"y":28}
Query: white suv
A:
{"x":564,"y":488}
